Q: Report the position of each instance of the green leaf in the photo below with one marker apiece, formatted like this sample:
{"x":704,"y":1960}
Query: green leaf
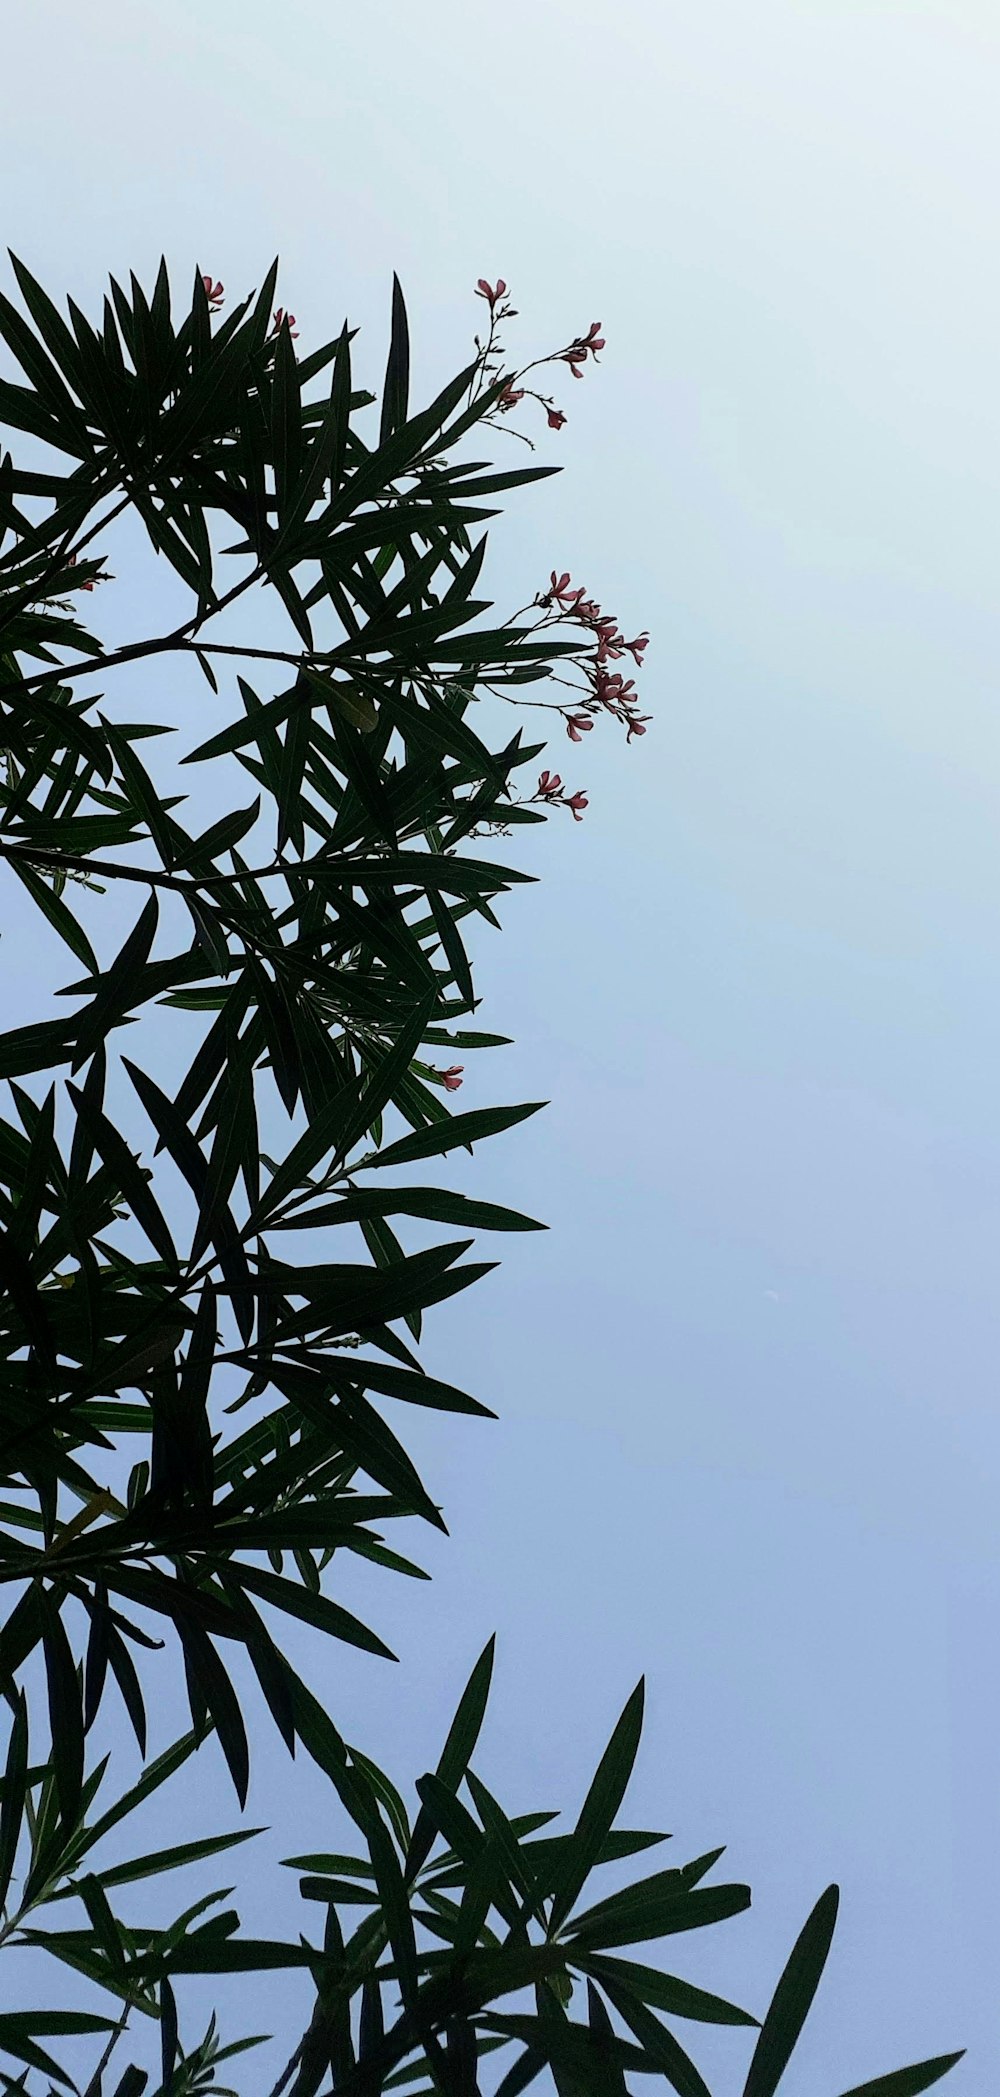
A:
{"x":659,"y":2045}
{"x":395,"y":391}
{"x":49,"y":322}
{"x":908,"y":2082}
{"x":638,"y":1920}
{"x":187,"y":1155}
{"x":65,"y":1711}
{"x":343,"y":1892}
{"x":168,"y":2032}
{"x":38,"y":1047}
{"x":183,"y":1853}
{"x":201,"y":1953}
{"x":596,"y":2059}
{"x":366,"y":1439}
{"x":433,"y":1204}
{"x":263,"y":717}
{"x":124,"y":1671}
{"x":128,"y":1174}
{"x":166,"y":834}
{"x":793,"y":1996}
{"x":453,"y":949}
{"x":546,"y":1857}
{"x":327,"y":1861}
{"x":451,"y":1819}
{"x":384,"y":1078}
{"x":235,"y":1134}
{"x":672,"y":1882}
{"x":53,"y":907}
{"x":347,"y":1115}
{"x":158,"y":1773}
{"x":15,"y":1272}
{"x":120,"y":987}
{"x":345,"y":698}
{"x":613,"y":2079}
{"x":457,"y":1129}
{"x":20,"y":1634}
{"x":386,"y":1794}
{"x":208,"y":1680}
{"x":457,"y":1753}
{"x":413,"y":1387}
{"x":220,"y":837}
{"x":679,"y":1998}
{"x":15,"y":1791}
{"x":318,"y":1610}
{"x":599,"y":1808}
{"x":53,"y":2024}
{"x":427,"y":870}
{"x":286,"y":422}
{"x":45,"y":378}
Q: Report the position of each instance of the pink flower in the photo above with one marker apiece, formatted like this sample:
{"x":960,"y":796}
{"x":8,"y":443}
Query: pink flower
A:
{"x":637,"y":648}
{"x":609,"y":640}
{"x":637,"y":727}
{"x":577,"y":725}
{"x":71,"y":563}
{"x":577,"y":802}
{"x":549,"y":785}
{"x":491,"y":292}
{"x":611,"y":690}
{"x":565,"y":596}
{"x":510,"y":396}
{"x":451,"y":1079}
{"x":556,"y":418}
{"x":214,"y":294}
{"x":585,"y":346}
{"x":285,"y":320}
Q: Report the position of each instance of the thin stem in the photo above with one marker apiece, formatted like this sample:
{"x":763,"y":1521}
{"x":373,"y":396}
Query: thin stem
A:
{"x":288,"y":2071}
{"x":79,"y":863}
{"x":93,"y":2088}
{"x":161,"y":644}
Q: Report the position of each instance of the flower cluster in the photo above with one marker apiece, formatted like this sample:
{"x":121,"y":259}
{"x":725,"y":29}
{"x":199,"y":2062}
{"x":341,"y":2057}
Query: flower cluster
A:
{"x":71,"y":563}
{"x":489,"y":369}
{"x":215,"y":293}
{"x":585,"y":346}
{"x":550,"y":790}
{"x":605,"y":690}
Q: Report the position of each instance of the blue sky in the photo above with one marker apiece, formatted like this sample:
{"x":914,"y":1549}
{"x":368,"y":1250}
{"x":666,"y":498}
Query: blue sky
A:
{"x":749,"y":1434}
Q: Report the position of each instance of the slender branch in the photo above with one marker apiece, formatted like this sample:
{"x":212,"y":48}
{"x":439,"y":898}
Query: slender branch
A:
{"x":16,"y":552}
{"x":165,"y":644}
{"x":102,"y":524}
{"x":93,"y":2088}
{"x":288,"y":2071}
{"x":161,"y":644}
{"x":78,"y":862}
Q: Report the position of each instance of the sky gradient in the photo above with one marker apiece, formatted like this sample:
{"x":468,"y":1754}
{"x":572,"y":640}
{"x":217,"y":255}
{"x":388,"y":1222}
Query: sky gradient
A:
{"x":749,"y":1436}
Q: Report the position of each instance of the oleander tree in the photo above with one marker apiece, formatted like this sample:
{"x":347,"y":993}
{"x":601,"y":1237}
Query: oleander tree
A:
{"x":199,"y":1330}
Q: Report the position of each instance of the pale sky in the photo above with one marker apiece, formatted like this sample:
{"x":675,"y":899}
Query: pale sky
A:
{"x":749,"y":1436}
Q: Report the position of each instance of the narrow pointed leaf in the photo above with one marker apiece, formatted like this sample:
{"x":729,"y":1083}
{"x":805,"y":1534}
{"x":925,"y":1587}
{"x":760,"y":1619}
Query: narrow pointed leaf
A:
{"x":792,"y":1999}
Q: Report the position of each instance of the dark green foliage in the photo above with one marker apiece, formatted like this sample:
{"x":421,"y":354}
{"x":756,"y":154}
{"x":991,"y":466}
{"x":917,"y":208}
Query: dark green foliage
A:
{"x":190,"y":1426}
